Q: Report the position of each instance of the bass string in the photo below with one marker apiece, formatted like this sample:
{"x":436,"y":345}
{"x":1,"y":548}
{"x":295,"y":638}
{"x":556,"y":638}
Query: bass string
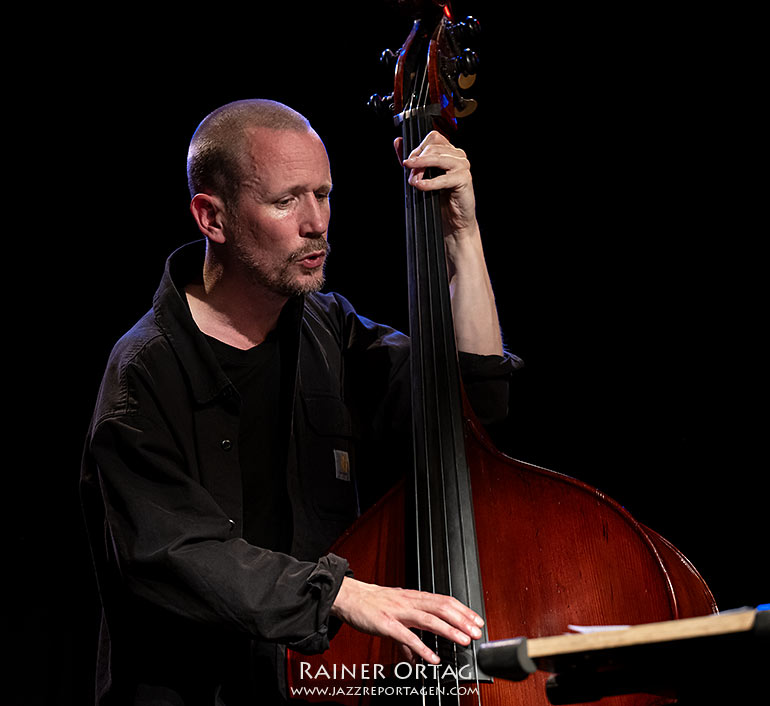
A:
{"x":426,"y":237}
{"x":416,"y":326}
{"x":426,"y":580}
{"x":426,"y":577}
{"x":442,"y":354}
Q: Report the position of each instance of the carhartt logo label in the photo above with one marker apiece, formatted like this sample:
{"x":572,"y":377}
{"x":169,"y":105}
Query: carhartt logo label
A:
{"x":342,"y":464}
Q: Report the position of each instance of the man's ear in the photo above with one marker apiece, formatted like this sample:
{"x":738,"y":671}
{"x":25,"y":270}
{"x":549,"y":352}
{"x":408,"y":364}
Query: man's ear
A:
{"x":208,"y":211}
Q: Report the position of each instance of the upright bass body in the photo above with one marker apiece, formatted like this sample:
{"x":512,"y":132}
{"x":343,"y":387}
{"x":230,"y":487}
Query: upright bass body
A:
{"x":532,"y":550}
{"x":553,"y":552}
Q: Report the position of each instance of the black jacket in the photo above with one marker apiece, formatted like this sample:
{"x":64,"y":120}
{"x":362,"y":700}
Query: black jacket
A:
{"x":191,"y":611}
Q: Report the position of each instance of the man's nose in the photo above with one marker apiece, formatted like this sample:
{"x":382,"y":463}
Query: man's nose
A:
{"x":315,"y":217}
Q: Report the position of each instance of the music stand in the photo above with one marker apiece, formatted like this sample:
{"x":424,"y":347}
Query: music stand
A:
{"x":709,"y":660}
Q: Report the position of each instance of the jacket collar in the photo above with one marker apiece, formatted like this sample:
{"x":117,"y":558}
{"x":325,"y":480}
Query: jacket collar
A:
{"x":172,"y":314}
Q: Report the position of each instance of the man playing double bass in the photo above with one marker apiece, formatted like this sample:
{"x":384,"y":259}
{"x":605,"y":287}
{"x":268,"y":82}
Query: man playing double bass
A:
{"x":245,"y":421}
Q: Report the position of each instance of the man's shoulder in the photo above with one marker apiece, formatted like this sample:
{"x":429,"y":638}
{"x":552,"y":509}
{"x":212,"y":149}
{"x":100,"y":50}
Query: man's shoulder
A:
{"x":141,"y":351}
{"x":144,"y":339}
{"x":329,"y":309}
{"x":327,"y":302}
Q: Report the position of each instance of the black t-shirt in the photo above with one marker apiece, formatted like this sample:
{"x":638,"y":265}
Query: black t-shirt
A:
{"x":256,"y":374}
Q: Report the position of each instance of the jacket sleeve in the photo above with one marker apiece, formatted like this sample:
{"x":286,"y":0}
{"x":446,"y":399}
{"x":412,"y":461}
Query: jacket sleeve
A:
{"x":166,"y":540}
{"x":486,"y":382}
{"x":376,"y":347}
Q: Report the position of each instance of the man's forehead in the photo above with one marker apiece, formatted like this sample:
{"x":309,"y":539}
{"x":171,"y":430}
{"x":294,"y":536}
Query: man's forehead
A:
{"x":269,"y":141}
{"x":286,"y":154}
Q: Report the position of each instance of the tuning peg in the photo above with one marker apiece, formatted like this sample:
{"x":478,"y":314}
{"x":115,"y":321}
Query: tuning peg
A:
{"x":382,"y":105}
{"x":464,"y":107}
{"x":388,"y":59}
{"x":463,"y":66}
{"x":468,"y":30}
{"x":466,"y":63}
{"x":465,"y":33}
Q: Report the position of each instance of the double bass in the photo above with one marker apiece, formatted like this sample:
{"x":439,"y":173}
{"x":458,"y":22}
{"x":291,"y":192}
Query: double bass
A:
{"x":531,"y":550}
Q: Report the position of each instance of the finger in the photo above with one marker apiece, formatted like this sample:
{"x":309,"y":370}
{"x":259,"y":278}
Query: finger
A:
{"x":412,"y":643}
{"x":448,"y":161}
{"x":435,"y":143}
{"x":438,"y":172}
{"x":434,"y":138}
{"x":452,"y":612}
{"x":417,"y":609}
{"x":409,"y":656}
{"x":472,"y":618}
{"x":439,"y":627}
{"x":450,"y":626}
{"x":398,"y":145}
{"x":419,"y":180}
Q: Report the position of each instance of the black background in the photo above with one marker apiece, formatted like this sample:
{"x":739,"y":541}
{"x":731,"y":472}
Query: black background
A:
{"x":615,"y":167}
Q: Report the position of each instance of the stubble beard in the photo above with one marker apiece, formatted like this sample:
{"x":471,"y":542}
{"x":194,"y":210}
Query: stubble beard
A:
{"x":286,"y":278}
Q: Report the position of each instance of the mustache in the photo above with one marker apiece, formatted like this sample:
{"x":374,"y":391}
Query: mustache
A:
{"x":313,"y":246}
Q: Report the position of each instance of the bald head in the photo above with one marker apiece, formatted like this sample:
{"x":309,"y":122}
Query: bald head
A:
{"x":217,"y":158}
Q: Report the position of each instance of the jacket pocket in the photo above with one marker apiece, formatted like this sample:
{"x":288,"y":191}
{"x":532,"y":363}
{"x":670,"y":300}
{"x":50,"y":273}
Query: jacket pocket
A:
{"x":326,"y":457}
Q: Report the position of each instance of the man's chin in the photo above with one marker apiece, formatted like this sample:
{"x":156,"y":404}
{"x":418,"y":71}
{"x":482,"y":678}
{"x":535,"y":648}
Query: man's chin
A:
{"x":305,"y":285}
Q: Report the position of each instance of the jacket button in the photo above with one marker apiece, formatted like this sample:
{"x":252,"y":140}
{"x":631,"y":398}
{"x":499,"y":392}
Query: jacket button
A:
{"x":226,"y":444}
